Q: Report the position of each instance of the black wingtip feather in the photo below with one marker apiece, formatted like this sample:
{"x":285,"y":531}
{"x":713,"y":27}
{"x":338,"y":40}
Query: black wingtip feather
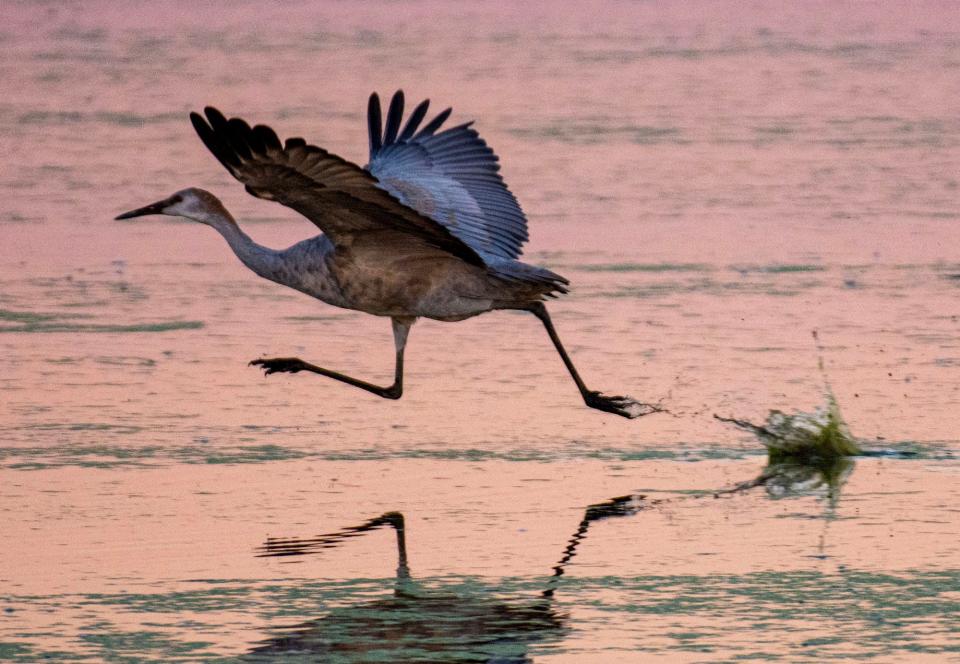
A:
{"x":239,"y":130}
{"x":374,"y":124}
{"x":394,"y":115}
{"x":224,"y":154}
{"x":199,"y":125}
{"x":215,"y":118}
{"x":414,"y":121}
{"x":268,"y":136}
{"x":222,"y":133}
{"x":434,"y":124}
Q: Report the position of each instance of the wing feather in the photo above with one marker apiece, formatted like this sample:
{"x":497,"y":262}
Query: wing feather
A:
{"x":394,"y":115}
{"x":451,"y":177}
{"x":343,"y":200}
{"x":434,"y":124}
{"x":374,"y":123}
{"x":414,"y":121}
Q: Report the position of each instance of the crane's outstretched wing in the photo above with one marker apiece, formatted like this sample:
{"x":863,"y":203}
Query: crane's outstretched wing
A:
{"x":451,"y":177}
{"x":341,"y":198}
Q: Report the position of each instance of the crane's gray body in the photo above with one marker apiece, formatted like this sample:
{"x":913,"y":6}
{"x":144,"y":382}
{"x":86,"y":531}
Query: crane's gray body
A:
{"x":381,"y":282}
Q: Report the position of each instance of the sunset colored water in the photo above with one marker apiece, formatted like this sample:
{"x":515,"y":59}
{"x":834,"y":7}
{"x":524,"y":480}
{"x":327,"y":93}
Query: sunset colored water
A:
{"x":716,"y":179}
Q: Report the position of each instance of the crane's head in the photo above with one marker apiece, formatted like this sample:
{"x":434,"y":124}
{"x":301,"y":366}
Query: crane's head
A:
{"x":192,"y":203}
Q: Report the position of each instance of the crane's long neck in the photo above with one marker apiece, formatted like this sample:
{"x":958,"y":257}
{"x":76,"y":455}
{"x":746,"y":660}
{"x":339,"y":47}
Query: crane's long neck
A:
{"x":264,"y":261}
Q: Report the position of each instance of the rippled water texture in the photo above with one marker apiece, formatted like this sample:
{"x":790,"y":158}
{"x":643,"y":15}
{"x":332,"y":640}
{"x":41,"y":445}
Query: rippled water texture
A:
{"x":717,"y":180}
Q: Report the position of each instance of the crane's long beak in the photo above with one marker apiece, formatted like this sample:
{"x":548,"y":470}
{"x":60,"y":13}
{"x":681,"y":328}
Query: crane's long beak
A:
{"x":153,"y":208}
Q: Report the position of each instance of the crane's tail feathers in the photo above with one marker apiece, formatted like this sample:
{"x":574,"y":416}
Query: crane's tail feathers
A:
{"x":532,"y":283}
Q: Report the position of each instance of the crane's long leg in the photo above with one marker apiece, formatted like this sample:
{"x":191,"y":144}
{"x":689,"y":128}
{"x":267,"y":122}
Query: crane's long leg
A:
{"x":401,"y":328}
{"x":623,"y":406}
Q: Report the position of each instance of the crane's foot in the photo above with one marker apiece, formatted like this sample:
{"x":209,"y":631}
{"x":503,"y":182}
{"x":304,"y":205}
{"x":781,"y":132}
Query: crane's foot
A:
{"x":280,"y":365}
{"x":622,"y":406}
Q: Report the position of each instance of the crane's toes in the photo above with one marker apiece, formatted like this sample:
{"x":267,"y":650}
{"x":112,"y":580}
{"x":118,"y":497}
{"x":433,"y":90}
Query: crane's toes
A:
{"x":279,"y":365}
{"x":619,"y":405}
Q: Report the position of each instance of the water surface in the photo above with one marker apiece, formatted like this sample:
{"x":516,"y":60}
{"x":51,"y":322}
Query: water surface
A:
{"x":716,"y":180}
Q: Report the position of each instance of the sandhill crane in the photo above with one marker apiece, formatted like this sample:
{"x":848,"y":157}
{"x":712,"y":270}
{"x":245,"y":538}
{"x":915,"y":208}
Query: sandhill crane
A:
{"x":427,"y":229}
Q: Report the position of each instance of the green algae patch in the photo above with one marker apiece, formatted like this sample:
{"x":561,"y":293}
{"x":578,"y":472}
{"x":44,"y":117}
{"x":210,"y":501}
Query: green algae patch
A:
{"x":820,"y":435}
{"x":166,"y":326}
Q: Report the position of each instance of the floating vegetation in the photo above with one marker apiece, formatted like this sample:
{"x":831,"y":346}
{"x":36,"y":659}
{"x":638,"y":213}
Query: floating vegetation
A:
{"x":644,"y":267}
{"x":778,"y":268}
{"x":820,"y":436}
{"x":807,"y":437}
{"x":32,"y":322}
{"x":168,"y":326}
{"x":806,"y":452}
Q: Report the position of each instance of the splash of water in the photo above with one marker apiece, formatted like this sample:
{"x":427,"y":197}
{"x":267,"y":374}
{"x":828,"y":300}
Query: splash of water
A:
{"x":820,"y":435}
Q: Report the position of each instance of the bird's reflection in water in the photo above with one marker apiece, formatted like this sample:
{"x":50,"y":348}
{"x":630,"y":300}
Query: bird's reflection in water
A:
{"x":419,"y":624}
{"x":483,"y":624}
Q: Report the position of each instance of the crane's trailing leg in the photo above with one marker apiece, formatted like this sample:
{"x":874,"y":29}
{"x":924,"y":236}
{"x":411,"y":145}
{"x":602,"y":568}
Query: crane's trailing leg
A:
{"x":401,"y":328}
{"x":623,"y":406}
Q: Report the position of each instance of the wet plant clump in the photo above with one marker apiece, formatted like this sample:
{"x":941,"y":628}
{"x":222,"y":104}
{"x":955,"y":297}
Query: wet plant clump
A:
{"x":806,"y":437}
{"x":806,"y":452}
